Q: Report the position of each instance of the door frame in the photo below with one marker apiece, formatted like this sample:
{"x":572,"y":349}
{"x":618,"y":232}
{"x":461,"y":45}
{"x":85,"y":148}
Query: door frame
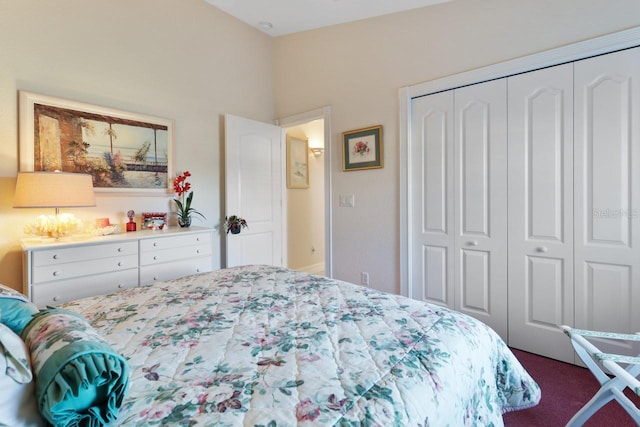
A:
{"x":323,"y":113}
{"x":581,"y":50}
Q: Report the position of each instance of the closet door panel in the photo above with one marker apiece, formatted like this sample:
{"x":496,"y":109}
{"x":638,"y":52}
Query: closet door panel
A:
{"x":431,"y":224}
{"x":607,"y":194}
{"x":480,"y":203}
{"x":540,"y":271}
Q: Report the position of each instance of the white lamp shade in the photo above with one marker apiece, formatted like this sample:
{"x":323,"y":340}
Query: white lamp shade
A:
{"x":53,"y":190}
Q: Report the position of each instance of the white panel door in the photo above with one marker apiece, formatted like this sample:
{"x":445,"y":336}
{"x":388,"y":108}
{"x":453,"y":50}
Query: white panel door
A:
{"x":480,"y":203}
{"x":607,"y":193}
{"x":254,"y":191}
{"x":431,"y":190}
{"x":541,"y":211}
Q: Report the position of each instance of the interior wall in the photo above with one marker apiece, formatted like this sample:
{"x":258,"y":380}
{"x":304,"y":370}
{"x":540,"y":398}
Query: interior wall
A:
{"x":305,"y":208}
{"x":358,"y":69}
{"x":184,"y":60}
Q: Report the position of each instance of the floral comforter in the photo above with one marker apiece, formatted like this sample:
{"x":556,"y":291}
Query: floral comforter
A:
{"x":268,"y":346}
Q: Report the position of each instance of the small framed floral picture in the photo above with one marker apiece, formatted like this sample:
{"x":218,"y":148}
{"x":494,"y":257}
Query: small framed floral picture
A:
{"x":362,"y":149}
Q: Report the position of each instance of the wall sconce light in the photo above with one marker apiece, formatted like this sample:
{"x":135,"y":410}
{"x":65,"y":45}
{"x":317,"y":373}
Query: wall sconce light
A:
{"x":53,"y":190}
{"x":317,"y":151}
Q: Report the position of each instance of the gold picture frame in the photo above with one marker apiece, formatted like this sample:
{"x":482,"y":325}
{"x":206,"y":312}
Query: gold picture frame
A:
{"x":125,"y":153}
{"x":297,"y":162}
{"x":362,"y":149}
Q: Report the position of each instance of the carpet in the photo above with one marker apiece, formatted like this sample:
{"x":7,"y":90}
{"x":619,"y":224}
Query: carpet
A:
{"x":565,"y":389}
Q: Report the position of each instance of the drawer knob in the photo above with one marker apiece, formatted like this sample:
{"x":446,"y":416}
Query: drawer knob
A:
{"x":120,"y":286}
{"x":56,"y":273}
{"x":56,"y":298}
{"x":55,"y":256}
{"x":197,"y":239}
{"x":197,"y":270}
{"x":120,"y":264}
{"x":197,"y":251}
{"x":120,"y":249}
{"x":155,"y":278}
{"x":155,"y":257}
{"x":155,"y":243}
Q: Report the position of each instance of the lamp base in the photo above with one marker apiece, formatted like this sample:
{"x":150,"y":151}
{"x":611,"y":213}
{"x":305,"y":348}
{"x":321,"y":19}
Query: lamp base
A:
{"x":54,"y":226}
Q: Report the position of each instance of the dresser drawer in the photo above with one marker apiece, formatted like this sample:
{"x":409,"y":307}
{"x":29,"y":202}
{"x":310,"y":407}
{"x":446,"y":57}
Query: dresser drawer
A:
{"x":172,"y":242}
{"x":54,"y":293}
{"x":169,"y":255}
{"x":82,"y":253}
{"x":63,"y":271}
{"x":173,"y":270}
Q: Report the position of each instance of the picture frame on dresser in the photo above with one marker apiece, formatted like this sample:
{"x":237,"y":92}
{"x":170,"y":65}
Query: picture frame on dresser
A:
{"x":154,"y":220}
{"x":126,"y":153}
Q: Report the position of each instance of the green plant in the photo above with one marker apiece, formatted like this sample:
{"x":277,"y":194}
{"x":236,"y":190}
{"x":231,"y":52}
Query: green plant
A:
{"x":181,"y":187}
{"x":234,"y":224}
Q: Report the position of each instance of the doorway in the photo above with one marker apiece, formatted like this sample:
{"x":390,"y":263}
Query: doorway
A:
{"x":308,"y":211}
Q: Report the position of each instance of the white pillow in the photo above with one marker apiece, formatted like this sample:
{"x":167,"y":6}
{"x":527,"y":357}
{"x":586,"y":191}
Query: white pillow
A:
{"x":17,"y":397}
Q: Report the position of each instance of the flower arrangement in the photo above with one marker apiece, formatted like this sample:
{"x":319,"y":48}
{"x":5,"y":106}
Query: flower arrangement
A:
{"x":234,"y":224}
{"x":54,"y":225}
{"x":181,"y":187}
{"x":361,"y":148}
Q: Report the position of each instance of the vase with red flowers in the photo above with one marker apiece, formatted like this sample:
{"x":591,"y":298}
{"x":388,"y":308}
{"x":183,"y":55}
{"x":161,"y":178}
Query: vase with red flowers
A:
{"x":182,"y":188}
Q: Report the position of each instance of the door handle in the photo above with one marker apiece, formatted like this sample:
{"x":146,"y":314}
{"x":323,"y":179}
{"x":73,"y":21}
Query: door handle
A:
{"x":472,"y":243}
{"x":541,"y":249}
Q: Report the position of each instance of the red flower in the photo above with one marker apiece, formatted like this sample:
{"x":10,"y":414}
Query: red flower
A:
{"x":180,"y":184}
{"x":182,"y":187}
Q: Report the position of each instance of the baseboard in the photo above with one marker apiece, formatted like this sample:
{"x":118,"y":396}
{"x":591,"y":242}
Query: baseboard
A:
{"x":317,"y":268}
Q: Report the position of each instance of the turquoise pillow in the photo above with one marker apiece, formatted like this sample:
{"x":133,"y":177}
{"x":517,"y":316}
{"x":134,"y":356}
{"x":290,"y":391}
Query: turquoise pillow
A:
{"x":80,"y":379}
{"x":15,"y":309}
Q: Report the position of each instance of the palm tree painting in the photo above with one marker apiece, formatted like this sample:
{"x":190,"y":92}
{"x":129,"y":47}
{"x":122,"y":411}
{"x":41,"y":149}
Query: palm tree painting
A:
{"x":122,"y":151}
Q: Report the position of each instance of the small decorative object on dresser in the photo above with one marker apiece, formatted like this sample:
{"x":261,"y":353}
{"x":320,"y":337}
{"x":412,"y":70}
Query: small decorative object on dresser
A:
{"x":181,"y":187}
{"x":154,"y":220}
{"x":234,"y":224}
{"x":131,"y":225}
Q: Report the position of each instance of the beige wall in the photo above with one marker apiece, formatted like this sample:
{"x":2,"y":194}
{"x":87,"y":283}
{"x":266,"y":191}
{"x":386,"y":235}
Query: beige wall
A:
{"x":358,"y":69}
{"x":183,"y":60}
{"x":187,"y":61}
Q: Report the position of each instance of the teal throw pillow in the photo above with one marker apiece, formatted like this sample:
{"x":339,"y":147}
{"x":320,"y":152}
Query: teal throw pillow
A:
{"x":80,"y":379}
{"x":15,"y":309}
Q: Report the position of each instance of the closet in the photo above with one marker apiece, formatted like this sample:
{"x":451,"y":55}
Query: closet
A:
{"x":525,"y":200}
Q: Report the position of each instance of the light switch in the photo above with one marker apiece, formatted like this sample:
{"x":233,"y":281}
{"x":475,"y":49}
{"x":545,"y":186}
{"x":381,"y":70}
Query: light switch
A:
{"x":346,"y":201}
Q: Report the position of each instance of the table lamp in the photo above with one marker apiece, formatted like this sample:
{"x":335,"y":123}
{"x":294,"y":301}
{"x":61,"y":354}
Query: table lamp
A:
{"x":54,"y":190}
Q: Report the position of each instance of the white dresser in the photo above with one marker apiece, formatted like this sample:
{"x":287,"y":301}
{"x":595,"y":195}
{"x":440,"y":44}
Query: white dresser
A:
{"x":62,"y":271}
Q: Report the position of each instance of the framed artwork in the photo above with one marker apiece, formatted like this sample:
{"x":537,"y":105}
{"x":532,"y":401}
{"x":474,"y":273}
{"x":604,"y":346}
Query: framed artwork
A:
{"x":154,"y":220}
{"x":297,"y":162}
{"x":123,"y":152}
{"x":362,"y":149}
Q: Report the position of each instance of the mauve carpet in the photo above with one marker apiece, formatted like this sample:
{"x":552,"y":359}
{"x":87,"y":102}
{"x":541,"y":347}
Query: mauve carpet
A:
{"x":565,"y":389}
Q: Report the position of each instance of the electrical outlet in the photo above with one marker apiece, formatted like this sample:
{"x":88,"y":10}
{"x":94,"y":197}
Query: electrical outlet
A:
{"x":364,"y":278}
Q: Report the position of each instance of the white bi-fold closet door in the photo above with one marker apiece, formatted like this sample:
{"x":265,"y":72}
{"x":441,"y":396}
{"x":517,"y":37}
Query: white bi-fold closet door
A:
{"x":525,"y":201}
{"x":459,"y":155}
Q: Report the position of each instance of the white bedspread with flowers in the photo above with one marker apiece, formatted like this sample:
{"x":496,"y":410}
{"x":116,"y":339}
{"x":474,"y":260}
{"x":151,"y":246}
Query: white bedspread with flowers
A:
{"x":267,"y":346}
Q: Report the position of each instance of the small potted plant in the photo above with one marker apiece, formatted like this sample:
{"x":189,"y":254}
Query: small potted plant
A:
{"x":181,"y":186}
{"x":234,"y":224}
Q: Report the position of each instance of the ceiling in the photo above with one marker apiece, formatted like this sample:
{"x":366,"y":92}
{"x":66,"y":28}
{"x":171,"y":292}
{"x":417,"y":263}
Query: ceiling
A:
{"x":280,"y":17}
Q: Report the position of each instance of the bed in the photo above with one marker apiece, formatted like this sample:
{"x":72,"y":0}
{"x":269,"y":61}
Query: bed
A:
{"x":268,"y":346}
